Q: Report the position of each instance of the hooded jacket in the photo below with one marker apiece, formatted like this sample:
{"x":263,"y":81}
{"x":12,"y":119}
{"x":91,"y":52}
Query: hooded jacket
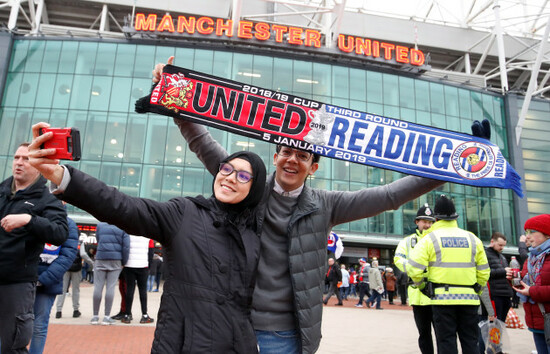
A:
{"x":20,"y":249}
{"x":112,"y":243}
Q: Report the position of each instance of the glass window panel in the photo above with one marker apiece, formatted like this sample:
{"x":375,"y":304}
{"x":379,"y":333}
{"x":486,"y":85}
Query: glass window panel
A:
{"x":172,"y":183}
{"x":105,"y":61}
{"x":374,"y":108}
{"x":358,"y":84}
{"x":283,"y":80}
{"x":5,"y":167}
{"x":80,"y":92}
{"x":223,"y":63}
{"x":477,"y":106}
{"x":52,"y":54}
{"x":34,"y":57}
{"x":242,"y":68}
{"x":136,"y":131}
{"x":358,"y":173}
{"x":204,"y":61}
{"x":90,"y":167}
{"x":19,"y":55}
{"x":155,"y":141}
{"x":193,"y":180}
{"x":485,"y":230}
{"x":391,"y":111}
{"x":424,"y":118}
{"x":94,"y":137}
{"x":175,"y":147}
{"x":124,"y":60}
{"x":340,"y":185}
{"x":62,"y":93}
{"x":72,"y":118}
{"x":325,"y":168}
{"x":377,"y":224}
{"x":144,"y":62}
{"x":12,"y":90}
{"x":140,"y":88}
{"x":67,"y":59}
{"x":185,"y":57}
{"x":7,"y":121}
{"x":151,"y":182}
{"x":408,"y":114}
{"x":86,"y":58}
{"x":340,"y":82}
{"x":162,"y":54}
{"x":130,"y":179}
{"x":29,"y":87}
{"x":437,"y":99}
{"x":101,"y":93}
{"x":110,"y":173}
{"x":391,"y":89}
{"x":360,"y":106}
{"x":439,"y":121}
{"x":341,"y":102}
{"x":488,"y":107}
{"x":464,"y":103}
{"x":341,"y":170}
{"x":303,"y":80}
{"x":120,"y":98}
{"x":46,"y":89}
{"x":422,"y":95}
{"x":374,"y":87}
{"x":360,"y":226}
{"x":406,"y":92}
{"x":321,"y":74}
{"x":115,"y":134}
{"x":263,"y":66}
{"x":22,"y":130}
{"x":451,"y":101}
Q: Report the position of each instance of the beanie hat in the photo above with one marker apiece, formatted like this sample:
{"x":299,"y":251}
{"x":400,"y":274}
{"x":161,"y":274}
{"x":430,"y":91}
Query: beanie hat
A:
{"x":445,"y":208}
{"x":425,"y":213}
{"x":362,"y":260}
{"x":540,"y":223}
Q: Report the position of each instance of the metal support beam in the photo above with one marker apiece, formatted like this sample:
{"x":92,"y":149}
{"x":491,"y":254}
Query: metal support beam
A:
{"x":500,"y":47}
{"x":532,"y":82}
{"x":14,"y":13}
{"x":236,"y":10}
{"x":104,"y":23}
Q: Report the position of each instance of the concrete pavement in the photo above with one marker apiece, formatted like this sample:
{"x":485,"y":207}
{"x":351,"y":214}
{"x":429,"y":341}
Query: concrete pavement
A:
{"x":346,"y":329}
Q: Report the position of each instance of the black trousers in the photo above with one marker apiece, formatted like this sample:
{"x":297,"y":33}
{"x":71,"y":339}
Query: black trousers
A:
{"x":333,"y":289}
{"x":364,"y":289}
{"x":132,"y":276}
{"x":450,"y":320}
{"x":16,"y":316}
{"x":423,"y":320}
{"x":502,"y":306}
{"x":402,"y":289}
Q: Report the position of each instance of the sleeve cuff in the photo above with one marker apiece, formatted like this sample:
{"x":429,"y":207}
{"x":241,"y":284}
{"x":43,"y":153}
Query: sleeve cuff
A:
{"x":55,"y":189}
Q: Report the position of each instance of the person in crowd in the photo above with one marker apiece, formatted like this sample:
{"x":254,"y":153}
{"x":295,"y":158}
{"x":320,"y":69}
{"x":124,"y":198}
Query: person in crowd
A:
{"x":501,"y":290}
{"x":154,"y":272}
{"x":450,"y":265}
{"x":534,"y":289}
{"x":333,"y":277}
{"x":420,"y":303}
{"x":87,"y":252}
{"x":402,"y":284}
{"x":376,"y":286}
{"x":29,"y":217}
{"x":352,"y":282}
{"x":211,"y":245}
{"x":135,"y":273}
{"x":344,"y":288}
{"x":55,"y":261}
{"x":391,"y":279}
{"x":113,"y":249}
{"x":363,"y":281}
{"x":72,"y":278}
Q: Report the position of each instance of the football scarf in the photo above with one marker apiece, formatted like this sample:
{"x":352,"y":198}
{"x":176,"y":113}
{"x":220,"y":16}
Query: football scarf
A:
{"x":329,"y":130}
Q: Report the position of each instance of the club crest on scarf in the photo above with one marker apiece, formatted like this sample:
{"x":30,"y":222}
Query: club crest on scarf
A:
{"x":175,"y":92}
{"x":473,"y":160}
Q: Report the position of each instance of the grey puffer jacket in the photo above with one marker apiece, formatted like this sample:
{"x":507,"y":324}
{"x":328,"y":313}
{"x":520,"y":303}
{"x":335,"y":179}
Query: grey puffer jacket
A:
{"x":317,"y":212}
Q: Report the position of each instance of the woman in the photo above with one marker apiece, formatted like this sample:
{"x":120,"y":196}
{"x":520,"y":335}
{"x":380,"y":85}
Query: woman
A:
{"x":391,"y":279}
{"x":535,"y":287}
{"x":211,"y":247}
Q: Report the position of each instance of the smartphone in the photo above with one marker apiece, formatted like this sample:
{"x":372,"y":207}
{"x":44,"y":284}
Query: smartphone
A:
{"x":66,"y":141}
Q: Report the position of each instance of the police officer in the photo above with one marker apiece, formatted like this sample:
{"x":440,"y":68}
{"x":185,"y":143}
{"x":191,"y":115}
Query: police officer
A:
{"x":450,"y":265}
{"x":421,"y":303}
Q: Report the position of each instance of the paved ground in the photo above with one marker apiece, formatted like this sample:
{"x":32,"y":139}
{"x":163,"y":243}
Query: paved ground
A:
{"x":346,"y":329}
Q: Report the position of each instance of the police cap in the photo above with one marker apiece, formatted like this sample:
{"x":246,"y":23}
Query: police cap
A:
{"x":425,"y":213}
{"x":445,"y":208}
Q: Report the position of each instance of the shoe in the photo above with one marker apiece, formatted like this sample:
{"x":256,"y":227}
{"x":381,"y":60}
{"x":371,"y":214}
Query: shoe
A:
{"x":126,"y":319}
{"x":156,"y":290}
{"x":118,"y":316}
{"x":146,"y":319}
{"x":107,"y":321}
{"x":95,"y":320}
{"x":58,"y":314}
{"x":76,"y":314}
{"x":358,"y":305}
{"x":379,"y":308}
{"x":339,"y":304}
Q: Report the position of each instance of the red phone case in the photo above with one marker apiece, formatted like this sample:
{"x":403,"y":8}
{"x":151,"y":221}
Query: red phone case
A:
{"x":66,"y":141}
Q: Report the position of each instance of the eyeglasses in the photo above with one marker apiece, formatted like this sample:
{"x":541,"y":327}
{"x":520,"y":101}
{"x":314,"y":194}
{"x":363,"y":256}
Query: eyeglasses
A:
{"x":300,"y":155}
{"x":242,"y":176}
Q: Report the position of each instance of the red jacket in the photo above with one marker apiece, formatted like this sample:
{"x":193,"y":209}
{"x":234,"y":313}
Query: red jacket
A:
{"x":540,"y":293}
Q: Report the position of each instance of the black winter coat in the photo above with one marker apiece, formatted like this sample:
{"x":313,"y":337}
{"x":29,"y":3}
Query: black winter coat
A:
{"x":210,"y":261}
{"x":20,"y":249}
{"x":498,"y":284}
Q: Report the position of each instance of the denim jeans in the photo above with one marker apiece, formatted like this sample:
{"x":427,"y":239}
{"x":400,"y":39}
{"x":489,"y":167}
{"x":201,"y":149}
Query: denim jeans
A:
{"x":42,"y":307}
{"x":540,"y":343}
{"x":275,"y":342}
{"x":376,"y":296}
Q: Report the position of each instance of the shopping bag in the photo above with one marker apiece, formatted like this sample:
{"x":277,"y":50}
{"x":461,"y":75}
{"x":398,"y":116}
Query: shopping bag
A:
{"x":494,"y":336}
{"x":513,"y":321}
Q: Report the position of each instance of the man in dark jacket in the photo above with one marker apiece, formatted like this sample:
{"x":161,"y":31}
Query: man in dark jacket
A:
{"x":500,"y":289}
{"x":29,"y":217}
{"x":54,"y":263}
{"x":334,"y":275}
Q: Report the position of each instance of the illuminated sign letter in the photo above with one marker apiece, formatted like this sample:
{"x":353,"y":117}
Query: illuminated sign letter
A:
{"x":185,"y":24}
{"x":245,"y":29}
{"x":295,"y":35}
{"x":262,"y":31}
{"x":221,"y":26}
{"x":166,"y":24}
{"x":402,"y":54}
{"x":387,"y":50}
{"x":201,"y":22}
{"x":417,"y":57}
{"x":345,"y":45}
{"x":362,"y":46}
{"x":279,"y":31}
{"x":146,"y":25}
{"x":313,"y":38}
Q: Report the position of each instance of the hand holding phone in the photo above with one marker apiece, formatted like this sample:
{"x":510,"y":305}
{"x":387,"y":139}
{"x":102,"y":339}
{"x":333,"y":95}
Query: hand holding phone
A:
{"x":66,"y":142}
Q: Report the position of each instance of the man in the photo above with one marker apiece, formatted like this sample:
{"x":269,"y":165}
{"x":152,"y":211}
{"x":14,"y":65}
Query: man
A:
{"x":29,"y":217}
{"x":334,"y":275}
{"x":420,"y":302}
{"x":344,"y":288}
{"x":363,"y":281}
{"x":501,"y":291}
{"x":72,"y":278}
{"x":451,"y":267}
{"x":288,"y":295}
{"x":54,"y":263}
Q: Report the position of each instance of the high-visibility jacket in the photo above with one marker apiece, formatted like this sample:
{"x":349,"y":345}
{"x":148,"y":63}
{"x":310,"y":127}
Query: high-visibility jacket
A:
{"x":455,"y":261}
{"x":400,"y":259}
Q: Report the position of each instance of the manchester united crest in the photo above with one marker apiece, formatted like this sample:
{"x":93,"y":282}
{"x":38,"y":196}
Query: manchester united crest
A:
{"x":176,"y":92}
{"x":473,"y":160}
